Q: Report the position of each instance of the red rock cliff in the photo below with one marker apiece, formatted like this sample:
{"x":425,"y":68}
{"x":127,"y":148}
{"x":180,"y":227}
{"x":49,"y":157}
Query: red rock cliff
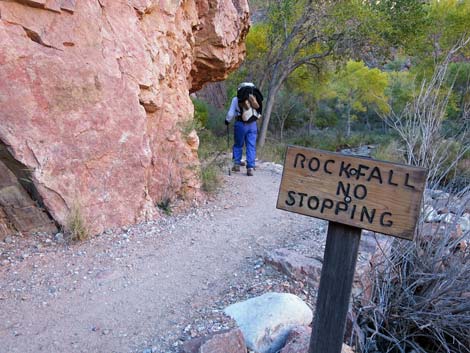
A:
{"x":94,"y":98}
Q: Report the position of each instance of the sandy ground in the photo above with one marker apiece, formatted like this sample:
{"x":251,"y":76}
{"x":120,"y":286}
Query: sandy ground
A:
{"x":151,"y":286}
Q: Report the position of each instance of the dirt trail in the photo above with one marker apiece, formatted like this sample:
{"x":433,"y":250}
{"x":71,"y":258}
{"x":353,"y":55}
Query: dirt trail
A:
{"x":128,"y":290}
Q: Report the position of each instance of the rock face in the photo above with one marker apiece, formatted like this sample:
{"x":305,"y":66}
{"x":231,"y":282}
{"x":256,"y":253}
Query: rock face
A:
{"x":265,"y":321}
{"x":94,"y":98}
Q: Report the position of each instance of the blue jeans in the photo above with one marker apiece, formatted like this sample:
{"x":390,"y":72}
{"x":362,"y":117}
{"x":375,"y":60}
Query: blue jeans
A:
{"x":245,"y":134}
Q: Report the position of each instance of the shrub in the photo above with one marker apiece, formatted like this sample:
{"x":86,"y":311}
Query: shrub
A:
{"x":210,"y":144}
{"x":210,"y":177}
{"x":273,"y":152}
{"x":76,"y":226}
{"x":334,"y":140}
{"x":390,"y":151}
{"x":165,"y":205}
{"x":420,"y":297}
{"x":201,"y":112}
{"x":213,"y":155}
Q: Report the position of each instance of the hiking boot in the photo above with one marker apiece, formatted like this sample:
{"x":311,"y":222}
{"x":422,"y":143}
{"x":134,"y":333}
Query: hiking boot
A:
{"x":236,"y":168}
{"x":249,"y":172}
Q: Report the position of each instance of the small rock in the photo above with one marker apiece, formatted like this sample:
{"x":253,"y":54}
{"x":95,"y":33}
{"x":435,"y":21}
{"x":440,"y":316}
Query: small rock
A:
{"x":298,"y":341}
{"x":431,"y":215}
{"x":464,"y":223}
{"x":295,"y":265}
{"x":8,"y":240}
{"x":59,"y":238}
{"x":230,"y":341}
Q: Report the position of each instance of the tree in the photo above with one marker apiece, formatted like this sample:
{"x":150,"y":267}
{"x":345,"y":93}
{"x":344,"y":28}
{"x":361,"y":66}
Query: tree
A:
{"x":289,"y":111}
{"x":358,"y":87}
{"x":304,"y":33}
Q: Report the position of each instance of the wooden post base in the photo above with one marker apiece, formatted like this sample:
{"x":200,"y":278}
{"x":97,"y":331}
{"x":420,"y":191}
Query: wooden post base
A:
{"x":339,"y":263}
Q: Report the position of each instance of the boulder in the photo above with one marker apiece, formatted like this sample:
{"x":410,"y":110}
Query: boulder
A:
{"x":298,"y":341}
{"x":295,"y":265}
{"x":229,"y":341}
{"x":266,"y":320}
{"x":95,"y":99}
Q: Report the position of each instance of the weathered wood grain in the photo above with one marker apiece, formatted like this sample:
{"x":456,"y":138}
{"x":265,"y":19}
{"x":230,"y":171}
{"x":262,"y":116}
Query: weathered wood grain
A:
{"x":365,"y":193}
{"x":342,"y":245}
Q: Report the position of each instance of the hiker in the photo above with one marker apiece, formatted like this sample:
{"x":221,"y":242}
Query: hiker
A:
{"x":246,"y":109}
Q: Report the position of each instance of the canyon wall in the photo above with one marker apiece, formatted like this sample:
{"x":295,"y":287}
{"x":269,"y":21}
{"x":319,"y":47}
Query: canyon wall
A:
{"x":94,"y":101}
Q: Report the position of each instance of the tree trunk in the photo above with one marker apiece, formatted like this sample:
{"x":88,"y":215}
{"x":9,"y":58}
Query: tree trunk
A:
{"x":348,"y":113}
{"x":265,"y":123}
{"x":282,"y":130}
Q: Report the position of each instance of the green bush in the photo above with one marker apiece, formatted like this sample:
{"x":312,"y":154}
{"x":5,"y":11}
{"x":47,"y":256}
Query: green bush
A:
{"x":272,"y":152}
{"x":210,"y":177}
{"x":390,"y":151}
{"x":165,"y":205}
{"x":201,"y":112}
{"x":213,"y":154}
{"x":334,"y":140}
{"x":211,"y":144}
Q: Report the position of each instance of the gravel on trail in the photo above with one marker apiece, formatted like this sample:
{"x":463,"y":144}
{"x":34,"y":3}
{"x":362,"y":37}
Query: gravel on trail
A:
{"x":151,"y":286}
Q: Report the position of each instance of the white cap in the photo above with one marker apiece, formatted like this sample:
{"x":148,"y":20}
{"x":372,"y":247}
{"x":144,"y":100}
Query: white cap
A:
{"x":245,"y":84}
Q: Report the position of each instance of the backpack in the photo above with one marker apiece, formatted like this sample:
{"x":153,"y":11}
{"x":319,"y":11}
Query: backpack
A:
{"x":250,"y":103}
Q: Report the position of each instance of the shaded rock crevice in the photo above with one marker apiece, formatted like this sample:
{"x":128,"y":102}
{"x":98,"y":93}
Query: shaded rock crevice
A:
{"x":21,"y":206}
{"x":35,"y":37}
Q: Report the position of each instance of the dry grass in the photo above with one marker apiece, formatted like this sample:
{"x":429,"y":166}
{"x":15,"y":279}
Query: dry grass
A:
{"x":76,"y":226}
{"x":420,"y":298}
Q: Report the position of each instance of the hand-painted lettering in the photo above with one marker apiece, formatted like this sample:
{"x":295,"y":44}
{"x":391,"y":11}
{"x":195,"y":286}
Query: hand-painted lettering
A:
{"x":302,"y":195}
{"x":344,"y":169}
{"x":383,"y":222}
{"x":359,"y":170}
{"x":341,"y":206}
{"x":343,"y":189}
{"x":390,"y":177}
{"x":299,"y":155}
{"x":313,"y":202}
{"x":407,"y":179}
{"x":325,"y":166}
{"x":360,"y":191}
{"x":326,"y":203}
{"x":314,"y":164}
{"x":353,"y":212}
{"x":375,"y":174}
{"x":291,"y":201}
{"x":365,"y":212}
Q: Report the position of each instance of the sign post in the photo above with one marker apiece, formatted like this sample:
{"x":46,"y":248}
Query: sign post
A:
{"x":353,"y":193}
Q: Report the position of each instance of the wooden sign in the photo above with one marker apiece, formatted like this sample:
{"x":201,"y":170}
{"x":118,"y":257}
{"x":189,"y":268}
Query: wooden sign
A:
{"x":353,"y":193}
{"x":361,"y":192}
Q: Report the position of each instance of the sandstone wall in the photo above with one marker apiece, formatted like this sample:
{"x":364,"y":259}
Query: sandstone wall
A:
{"x":94,"y":98}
